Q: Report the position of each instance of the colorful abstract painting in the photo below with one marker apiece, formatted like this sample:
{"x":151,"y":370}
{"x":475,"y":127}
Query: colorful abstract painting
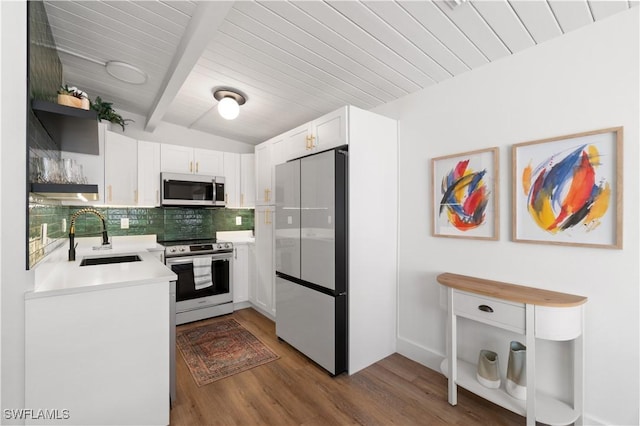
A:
{"x":565,"y":189}
{"x":464,"y":195}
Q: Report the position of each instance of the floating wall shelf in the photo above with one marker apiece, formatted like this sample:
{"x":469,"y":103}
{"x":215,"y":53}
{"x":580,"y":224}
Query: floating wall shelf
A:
{"x":60,"y":191}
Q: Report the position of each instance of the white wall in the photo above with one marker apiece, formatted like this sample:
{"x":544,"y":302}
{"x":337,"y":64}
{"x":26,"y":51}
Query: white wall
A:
{"x":14,"y":278}
{"x":585,"y":80}
{"x":178,"y":135}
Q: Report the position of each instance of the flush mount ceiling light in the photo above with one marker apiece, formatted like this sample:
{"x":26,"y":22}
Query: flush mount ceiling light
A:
{"x":229,"y":101}
{"x":126,"y":72}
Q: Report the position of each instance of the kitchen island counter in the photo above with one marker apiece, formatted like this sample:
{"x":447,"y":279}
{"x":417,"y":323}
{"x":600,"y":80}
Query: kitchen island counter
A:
{"x":58,"y":276}
{"x":99,"y":339}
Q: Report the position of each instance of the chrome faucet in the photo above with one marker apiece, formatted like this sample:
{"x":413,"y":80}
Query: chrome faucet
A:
{"x":72,"y":232}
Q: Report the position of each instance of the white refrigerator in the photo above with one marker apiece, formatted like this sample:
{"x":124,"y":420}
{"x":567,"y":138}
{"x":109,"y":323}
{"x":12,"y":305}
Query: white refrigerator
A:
{"x":311,"y":256}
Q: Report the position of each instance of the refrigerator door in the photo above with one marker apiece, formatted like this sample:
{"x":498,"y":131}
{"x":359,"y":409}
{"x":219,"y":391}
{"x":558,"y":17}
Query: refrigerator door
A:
{"x":317,"y":201}
{"x":306,"y":320}
{"x":287,"y":232}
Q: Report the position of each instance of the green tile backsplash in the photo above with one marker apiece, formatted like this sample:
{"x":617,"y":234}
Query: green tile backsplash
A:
{"x":167,"y":223}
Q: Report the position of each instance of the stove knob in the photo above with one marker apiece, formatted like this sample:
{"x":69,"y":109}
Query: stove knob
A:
{"x":228,"y":245}
{"x":220,"y":246}
{"x":172,"y":250}
{"x":182,"y":249}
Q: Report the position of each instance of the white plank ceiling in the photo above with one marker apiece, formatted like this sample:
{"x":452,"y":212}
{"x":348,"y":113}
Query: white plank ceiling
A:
{"x":295,"y":60}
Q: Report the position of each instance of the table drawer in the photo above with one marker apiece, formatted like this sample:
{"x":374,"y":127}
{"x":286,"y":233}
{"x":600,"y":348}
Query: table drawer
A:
{"x":499,"y":313}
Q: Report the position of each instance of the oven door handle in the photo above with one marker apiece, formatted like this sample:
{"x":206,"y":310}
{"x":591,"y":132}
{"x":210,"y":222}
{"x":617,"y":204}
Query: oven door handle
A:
{"x":189,"y":259}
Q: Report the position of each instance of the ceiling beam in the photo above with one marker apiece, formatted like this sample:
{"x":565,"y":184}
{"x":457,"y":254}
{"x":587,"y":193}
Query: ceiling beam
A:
{"x":202,"y":27}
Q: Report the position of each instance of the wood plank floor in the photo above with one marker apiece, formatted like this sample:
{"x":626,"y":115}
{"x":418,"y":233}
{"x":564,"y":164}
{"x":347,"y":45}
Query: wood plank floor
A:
{"x":294,"y":391}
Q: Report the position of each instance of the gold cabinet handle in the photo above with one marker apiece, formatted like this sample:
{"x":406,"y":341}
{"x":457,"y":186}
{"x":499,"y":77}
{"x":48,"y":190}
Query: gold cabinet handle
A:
{"x":197,"y":164}
{"x":268,"y":195}
{"x":308,"y":139}
{"x":191,"y":166}
{"x":312,"y":143}
{"x":226,"y":197}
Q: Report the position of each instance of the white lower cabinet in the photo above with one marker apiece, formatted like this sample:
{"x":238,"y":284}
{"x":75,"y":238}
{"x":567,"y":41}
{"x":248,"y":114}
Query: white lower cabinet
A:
{"x":99,"y":357}
{"x":241,"y":272}
{"x":263,"y":296}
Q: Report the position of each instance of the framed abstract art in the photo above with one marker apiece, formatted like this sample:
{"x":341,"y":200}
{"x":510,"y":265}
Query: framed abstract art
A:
{"x":465,"y":195}
{"x":568,"y":190}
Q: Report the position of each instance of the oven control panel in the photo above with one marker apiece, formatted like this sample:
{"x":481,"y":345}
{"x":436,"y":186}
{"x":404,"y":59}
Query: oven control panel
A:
{"x":178,"y":250}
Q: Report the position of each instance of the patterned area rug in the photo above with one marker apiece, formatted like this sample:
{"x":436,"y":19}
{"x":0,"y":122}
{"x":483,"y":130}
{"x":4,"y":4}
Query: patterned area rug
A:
{"x":221,"y":349}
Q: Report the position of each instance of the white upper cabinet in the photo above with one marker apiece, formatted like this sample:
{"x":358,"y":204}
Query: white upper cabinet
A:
{"x":264,"y":174}
{"x":120,"y":169}
{"x":208,"y":162}
{"x":295,"y":143}
{"x":148,"y":173}
{"x":326,"y":132}
{"x":240,"y":180}
{"x":247,"y":180}
{"x":184,"y":159}
{"x":329,"y":131}
{"x":232,"y":179}
{"x":176,"y":158}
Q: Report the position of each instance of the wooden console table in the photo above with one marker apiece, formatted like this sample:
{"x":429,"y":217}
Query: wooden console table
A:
{"x":533,"y":312}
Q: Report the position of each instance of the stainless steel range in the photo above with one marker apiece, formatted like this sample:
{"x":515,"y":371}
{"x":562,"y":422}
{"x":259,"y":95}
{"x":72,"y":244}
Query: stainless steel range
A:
{"x":204,"y":288}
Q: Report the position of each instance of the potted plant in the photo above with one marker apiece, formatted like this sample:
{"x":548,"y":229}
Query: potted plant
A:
{"x":71,"y":96}
{"x":106,"y":112}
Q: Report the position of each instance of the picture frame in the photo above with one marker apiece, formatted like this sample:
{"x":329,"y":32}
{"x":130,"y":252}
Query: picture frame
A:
{"x":465,"y":195}
{"x":567,"y":190}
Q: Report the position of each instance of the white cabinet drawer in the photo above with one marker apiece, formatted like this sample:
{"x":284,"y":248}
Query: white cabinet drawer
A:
{"x":507,"y":315}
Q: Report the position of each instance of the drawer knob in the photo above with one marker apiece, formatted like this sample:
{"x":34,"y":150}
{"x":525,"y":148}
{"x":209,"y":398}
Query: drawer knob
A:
{"x":485,"y":308}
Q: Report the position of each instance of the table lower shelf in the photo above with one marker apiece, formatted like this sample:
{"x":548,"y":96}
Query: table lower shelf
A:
{"x":549,"y":410}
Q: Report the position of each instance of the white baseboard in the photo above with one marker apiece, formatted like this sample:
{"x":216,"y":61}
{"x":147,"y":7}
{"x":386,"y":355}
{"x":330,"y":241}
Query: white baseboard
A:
{"x":242,"y":305}
{"x":419,"y":354}
{"x":262,"y":311}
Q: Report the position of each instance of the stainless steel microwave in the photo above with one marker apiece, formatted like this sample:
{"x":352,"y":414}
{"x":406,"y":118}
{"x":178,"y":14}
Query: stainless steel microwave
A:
{"x":192,"y":190}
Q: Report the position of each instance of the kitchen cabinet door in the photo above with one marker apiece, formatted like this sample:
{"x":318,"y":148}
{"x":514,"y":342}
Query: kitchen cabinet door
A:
{"x":232,"y":179}
{"x":265,"y":272}
{"x":297,"y":142}
{"x":120,"y":169}
{"x":247,"y":180}
{"x":264,"y":174}
{"x":208,"y":162}
{"x":148,"y":173}
{"x":329,"y":131}
{"x":176,"y":158}
{"x":240,"y":273}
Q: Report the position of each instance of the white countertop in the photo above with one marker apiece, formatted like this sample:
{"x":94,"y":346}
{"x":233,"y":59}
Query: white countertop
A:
{"x":57,"y":276}
{"x":236,"y":237}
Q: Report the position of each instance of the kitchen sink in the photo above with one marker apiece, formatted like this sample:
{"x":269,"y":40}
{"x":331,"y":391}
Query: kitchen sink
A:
{"x":90,"y":261}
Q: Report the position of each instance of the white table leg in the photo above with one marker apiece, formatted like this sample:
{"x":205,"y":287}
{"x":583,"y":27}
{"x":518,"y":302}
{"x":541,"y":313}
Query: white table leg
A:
{"x":452,"y":356}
